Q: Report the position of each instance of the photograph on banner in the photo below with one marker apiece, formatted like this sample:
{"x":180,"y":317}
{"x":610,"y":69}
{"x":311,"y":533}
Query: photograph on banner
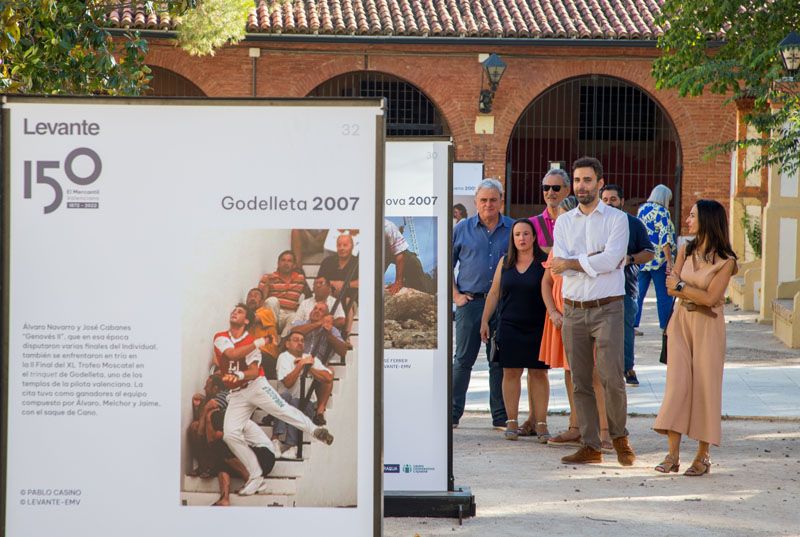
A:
{"x":266,"y":373}
{"x":410,"y":279}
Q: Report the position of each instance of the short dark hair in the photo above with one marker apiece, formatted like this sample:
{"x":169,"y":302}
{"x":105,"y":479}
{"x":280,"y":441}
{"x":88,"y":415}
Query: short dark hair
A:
{"x":216,"y":381}
{"x":291,"y":253}
{"x":616,"y":188}
{"x":251,"y":316}
{"x":294,"y":331}
{"x":589,"y":162}
{"x":319,"y":277}
{"x":259,"y":291}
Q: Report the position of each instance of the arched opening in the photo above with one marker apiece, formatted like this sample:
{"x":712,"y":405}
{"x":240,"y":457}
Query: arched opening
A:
{"x":166,"y":83}
{"x":410,"y":112}
{"x":599,"y":116}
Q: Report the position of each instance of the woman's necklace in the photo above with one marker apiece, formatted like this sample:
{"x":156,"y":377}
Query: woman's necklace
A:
{"x":705,"y":259}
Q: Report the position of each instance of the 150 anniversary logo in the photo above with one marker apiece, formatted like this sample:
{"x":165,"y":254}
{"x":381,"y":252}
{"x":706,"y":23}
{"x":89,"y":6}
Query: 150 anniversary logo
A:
{"x":47,"y":172}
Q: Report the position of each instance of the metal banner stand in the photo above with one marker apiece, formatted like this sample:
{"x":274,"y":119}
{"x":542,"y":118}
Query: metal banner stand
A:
{"x":456,"y":501}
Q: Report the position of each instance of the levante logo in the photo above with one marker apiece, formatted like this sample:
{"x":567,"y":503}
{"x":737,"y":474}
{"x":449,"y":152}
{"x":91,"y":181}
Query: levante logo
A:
{"x":50,"y":174}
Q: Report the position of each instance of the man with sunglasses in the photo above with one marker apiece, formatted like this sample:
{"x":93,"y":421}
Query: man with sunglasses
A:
{"x":555,"y":188}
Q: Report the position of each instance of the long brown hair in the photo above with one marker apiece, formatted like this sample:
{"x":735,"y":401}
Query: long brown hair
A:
{"x":712,"y":231}
{"x":513,"y":253}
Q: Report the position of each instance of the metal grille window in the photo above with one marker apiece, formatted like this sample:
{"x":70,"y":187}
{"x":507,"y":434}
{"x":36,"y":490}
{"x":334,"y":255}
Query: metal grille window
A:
{"x":616,"y":113}
{"x":409,"y":113}
{"x":166,"y":83}
{"x":597,"y":116}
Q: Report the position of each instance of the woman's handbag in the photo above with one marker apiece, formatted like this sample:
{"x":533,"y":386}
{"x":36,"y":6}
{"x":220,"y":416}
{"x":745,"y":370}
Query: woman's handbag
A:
{"x":663,"y":357}
{"x":493,"y":349}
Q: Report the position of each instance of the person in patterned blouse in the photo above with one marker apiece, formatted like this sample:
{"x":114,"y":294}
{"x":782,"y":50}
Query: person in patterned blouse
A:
{"x":655,"y":216}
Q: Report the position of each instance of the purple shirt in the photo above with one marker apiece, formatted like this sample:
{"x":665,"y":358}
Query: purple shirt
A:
{"x":544,"y":237}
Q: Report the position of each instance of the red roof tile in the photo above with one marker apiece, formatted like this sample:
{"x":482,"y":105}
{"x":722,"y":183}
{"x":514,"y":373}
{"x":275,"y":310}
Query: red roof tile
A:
{"x":556,"y":19}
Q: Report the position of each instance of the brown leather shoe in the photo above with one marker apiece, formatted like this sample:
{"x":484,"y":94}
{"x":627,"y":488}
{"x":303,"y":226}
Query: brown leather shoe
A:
{"x":585,"y":455}
{"x":625,"y":454}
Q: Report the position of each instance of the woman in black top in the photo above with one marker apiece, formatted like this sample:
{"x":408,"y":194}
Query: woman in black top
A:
{"x":516,"y":286}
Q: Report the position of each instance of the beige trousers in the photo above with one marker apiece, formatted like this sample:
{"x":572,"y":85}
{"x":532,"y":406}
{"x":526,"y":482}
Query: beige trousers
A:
{"x":585,"y":331}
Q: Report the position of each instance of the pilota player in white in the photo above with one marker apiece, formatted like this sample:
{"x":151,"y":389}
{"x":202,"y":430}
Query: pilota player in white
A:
{"x":239,"y":361}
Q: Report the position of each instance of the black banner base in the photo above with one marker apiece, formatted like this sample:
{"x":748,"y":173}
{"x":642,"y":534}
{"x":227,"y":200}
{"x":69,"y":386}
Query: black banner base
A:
{"x":458,"y":504}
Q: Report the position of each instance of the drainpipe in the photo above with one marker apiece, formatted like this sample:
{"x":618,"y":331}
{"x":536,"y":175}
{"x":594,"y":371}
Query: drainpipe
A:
{"x":255,"y":54}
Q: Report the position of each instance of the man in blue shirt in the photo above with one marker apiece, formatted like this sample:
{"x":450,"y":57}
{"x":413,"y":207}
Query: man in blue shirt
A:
{"x":479,"y":242}
{"x":640,"y":251}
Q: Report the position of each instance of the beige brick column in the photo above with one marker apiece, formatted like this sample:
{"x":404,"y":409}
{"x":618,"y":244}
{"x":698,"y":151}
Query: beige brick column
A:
{"x":780,"y":261}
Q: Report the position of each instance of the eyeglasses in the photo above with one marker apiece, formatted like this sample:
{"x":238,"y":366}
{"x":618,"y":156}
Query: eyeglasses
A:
{"x":556,"y":188}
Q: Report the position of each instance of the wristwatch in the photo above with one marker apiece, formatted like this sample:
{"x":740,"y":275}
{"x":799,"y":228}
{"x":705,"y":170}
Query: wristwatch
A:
{"x":630,"y":260}
{"x":680,"y":285}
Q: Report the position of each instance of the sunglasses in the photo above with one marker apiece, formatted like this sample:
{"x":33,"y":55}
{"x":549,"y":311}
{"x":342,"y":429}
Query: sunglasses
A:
{"x":556,"y":188}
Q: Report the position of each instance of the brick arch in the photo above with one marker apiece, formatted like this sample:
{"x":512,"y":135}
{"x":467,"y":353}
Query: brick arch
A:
{"x":670,"y":103}
{"x":510,"y":105}
{"x":188,"y":68}
{"x":168,"y":83}
{"x":549,"y":128}
{"x":305,"y":84}
{"x":404,"y":96}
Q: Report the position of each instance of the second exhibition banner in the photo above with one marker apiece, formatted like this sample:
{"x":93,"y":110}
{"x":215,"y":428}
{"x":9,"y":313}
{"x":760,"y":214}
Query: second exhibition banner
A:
{"x":416,"y":304}
{"x":170,"y":350}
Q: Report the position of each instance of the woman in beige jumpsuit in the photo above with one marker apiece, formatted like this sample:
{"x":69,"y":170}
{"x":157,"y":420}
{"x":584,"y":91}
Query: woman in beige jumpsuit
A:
{"x":696,"y":338}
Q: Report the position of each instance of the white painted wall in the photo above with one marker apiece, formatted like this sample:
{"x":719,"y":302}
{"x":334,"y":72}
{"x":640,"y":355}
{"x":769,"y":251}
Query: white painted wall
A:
{"x":787,"y":241}
{"x":789,"y":186}
{"x":222,"y":265}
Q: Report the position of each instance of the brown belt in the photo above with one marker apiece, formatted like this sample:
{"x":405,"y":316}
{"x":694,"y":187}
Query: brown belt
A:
{"x":705,"y":310}
{"x":592,"y":303}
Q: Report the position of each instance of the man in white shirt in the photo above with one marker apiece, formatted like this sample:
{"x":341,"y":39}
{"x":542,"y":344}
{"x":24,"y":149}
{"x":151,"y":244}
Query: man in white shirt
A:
{"x":322,"y":293}
{"x":590,"y":243}
{"x":291,"y":364}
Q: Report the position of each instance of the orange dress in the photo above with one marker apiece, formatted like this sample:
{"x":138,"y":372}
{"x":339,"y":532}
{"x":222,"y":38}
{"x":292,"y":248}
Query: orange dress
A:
{"x":551,"y":351}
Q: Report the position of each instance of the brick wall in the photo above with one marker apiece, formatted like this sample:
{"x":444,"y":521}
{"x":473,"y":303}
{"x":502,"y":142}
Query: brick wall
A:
{"x":450,"y":76}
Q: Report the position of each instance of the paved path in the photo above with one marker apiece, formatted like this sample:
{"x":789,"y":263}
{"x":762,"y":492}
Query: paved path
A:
{"x":762,"y":376}
{"x":521,"y":489}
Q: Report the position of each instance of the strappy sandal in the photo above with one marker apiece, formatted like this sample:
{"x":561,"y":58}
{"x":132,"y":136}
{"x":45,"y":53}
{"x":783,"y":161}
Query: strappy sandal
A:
{"x":566,"y":438}
{"x":542,"y":434}
{"x":512,"y":430}
{"x":699,"y":467}
{"x":526,"y":429}
{"x":669,"y":464}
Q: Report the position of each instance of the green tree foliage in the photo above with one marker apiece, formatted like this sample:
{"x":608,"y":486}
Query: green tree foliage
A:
{"x":65,"y":47}
{"x":731,"y":47}
{"x":211,"y":24}
{"x":62,"y":47}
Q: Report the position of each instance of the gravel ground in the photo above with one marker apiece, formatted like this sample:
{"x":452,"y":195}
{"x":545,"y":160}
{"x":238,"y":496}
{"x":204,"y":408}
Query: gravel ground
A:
{"x":521,"y":488}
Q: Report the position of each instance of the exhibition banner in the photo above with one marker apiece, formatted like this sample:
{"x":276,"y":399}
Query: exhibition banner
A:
{"x":416,"y":315}
{"x":165,"y":353}
{"x":466,"y":177}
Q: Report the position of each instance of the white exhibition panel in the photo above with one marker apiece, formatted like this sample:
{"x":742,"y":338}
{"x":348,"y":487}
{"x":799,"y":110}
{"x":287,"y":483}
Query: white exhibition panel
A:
{"x":169,"y":215}
{"x":415,"y":379}
{"x":466,"y":176}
